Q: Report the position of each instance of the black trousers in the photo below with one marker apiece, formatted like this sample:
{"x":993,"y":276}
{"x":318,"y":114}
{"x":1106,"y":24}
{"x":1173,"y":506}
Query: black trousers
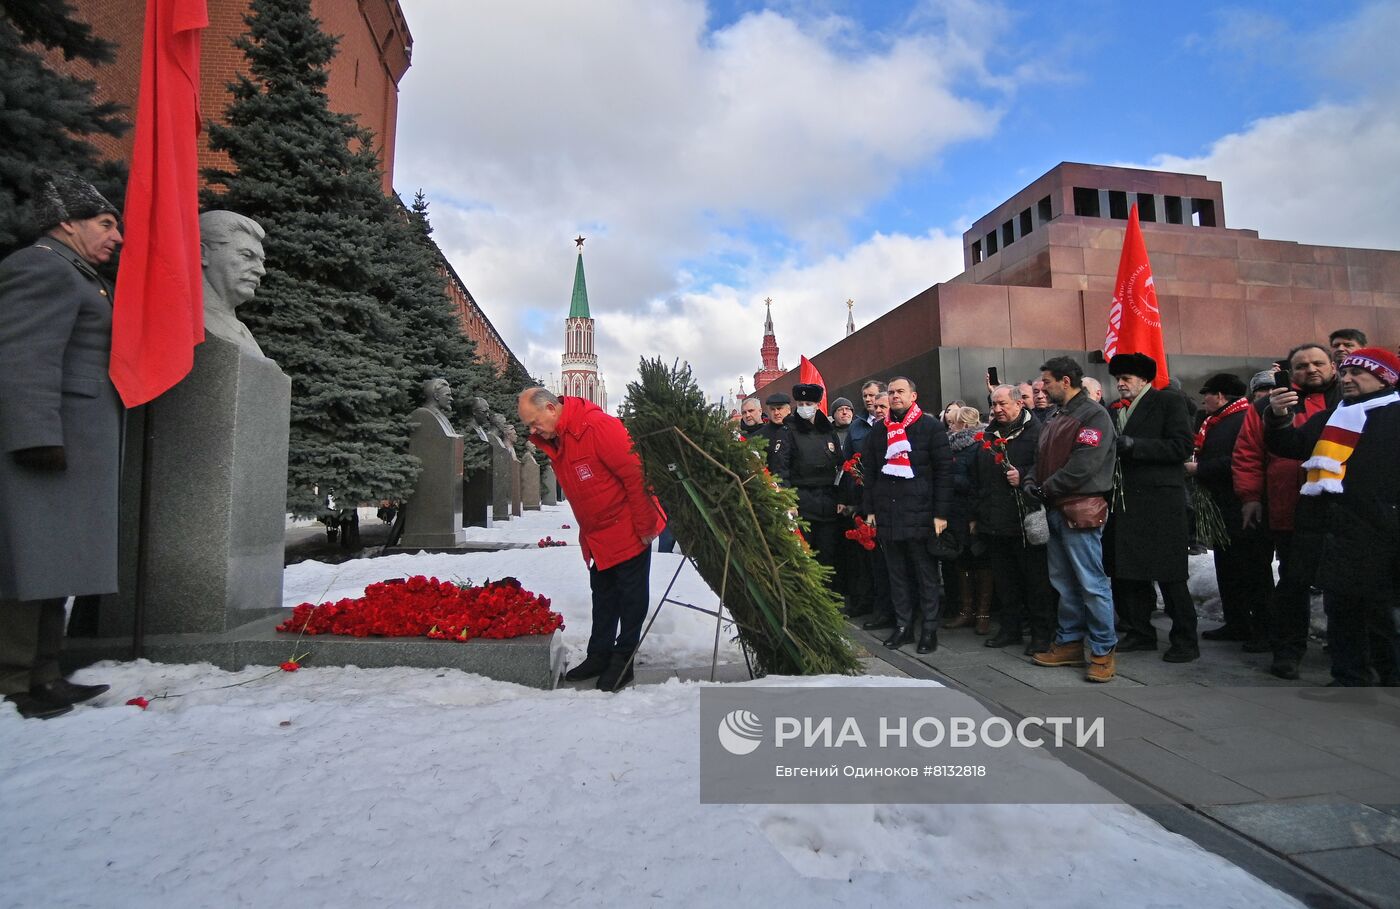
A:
{"x":31,"y":638}
{"x":1244,"y":573}
{"x":853,"y":577}
{"x":1135,"y":600}
{"x":1290,"y":610}
{"x":620,"y":596}
{"x":913,"y":575}
{"x":1023,"y":590}
{"x":1361,"y":636}
{"x":821,"y":536}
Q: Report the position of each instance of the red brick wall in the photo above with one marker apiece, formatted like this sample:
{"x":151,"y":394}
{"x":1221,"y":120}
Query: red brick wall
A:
{"x":373,"y":55}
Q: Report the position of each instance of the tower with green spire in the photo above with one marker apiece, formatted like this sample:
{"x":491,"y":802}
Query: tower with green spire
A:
{"x":578,"y":374}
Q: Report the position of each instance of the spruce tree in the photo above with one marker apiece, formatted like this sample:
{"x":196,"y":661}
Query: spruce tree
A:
{"x":433,"y":343}
{"x":48,"y":119}
{"x":323,"y":312}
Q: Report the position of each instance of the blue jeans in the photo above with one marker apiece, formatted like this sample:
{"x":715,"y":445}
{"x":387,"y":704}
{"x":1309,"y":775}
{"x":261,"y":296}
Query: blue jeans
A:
{"x":1086,"y":596}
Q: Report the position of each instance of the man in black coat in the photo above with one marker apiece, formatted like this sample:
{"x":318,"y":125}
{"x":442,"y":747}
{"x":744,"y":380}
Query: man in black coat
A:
{"x":814,"y":469}
{"x":777,"y":407}
{"x":852,"y":560}
{"x":1243,"y":562}
{"x":1352,"y":475}
{"x":908,"y":493}
{"x":1022,"y":573}
{"x":1146,"y":536}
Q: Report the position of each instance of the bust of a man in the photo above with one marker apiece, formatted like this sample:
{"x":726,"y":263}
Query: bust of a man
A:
{"x":231,"y":251}
{"x":437,"y":400}
{"x":481,"y":415}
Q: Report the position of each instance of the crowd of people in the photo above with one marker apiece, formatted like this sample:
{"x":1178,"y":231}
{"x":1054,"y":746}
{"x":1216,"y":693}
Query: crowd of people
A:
{"x":1056,"y":521}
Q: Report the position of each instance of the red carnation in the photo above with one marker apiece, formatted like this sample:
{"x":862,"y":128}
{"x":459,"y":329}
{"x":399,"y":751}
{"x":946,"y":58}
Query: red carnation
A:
{"x":290,"y":666}
{"x":138,"y":702}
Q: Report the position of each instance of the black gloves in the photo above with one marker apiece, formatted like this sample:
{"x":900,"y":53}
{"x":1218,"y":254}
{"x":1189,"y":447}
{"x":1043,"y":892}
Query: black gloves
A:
{"x":1125,"y":445}
{"x":1031,"y":490}
{"x":47,"y":457}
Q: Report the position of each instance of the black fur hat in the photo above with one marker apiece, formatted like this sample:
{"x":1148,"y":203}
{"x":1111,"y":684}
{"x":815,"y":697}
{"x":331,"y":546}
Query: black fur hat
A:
{"x":808,"y":393}
{"x":1133,"y":364}
{"x":1224,"y":383}
{"x":67,"y":197}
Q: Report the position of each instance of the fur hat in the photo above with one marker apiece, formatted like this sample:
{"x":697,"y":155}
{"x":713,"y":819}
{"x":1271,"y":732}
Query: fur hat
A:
{"x":1262,"y":379}
{"x":1133,"y":364}
{"x":776,"y":399}
{"x":1224,"y":383}
{"x":840,"y":403}
{"x":808,"y":393}
{"x":1378,"y":361}
{"x":67,"y":197}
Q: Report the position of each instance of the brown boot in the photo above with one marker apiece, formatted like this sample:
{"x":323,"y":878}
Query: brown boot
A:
{"x":1070,"y":654}
{"x":985,"y":587}
{"x":965,"y":597}
{"x":1101,"y":668}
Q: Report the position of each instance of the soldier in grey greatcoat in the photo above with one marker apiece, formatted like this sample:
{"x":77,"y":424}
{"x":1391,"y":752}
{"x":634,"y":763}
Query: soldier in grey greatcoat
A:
{"x":60,"y":431}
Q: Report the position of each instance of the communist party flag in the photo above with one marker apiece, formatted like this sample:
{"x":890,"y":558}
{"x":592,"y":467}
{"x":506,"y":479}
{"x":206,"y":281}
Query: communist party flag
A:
{"x":158,"y":308}
{"x":807,"y":375}
{"x":1134,"y":321}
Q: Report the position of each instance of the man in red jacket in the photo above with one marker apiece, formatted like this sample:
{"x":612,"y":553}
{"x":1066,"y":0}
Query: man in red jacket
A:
{"x":618,"y":518}
{"x":1267,"y":486}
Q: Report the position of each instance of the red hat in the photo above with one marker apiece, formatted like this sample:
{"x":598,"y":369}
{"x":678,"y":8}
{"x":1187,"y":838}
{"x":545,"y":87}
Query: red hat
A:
{"x":1378,"y":361}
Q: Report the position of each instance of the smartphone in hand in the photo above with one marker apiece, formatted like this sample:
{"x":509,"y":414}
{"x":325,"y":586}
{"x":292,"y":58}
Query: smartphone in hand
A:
{"x":992,"y":378}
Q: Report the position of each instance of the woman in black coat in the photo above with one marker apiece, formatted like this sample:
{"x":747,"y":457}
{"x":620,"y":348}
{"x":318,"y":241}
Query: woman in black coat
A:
{"x":975,"y":582}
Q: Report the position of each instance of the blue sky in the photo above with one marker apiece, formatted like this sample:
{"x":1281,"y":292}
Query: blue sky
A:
{"x":720,"y":153}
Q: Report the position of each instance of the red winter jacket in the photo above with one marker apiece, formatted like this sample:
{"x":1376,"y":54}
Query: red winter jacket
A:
{"x":602,"y":479}
{"x":1260,"y":476}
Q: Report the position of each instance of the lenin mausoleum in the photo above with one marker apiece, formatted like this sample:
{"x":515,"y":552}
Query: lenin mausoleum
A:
{"x":1038,"y":276}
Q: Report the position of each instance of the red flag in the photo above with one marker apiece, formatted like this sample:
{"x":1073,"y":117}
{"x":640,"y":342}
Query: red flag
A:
{"x":807,"y":375}
{"x":158,"y":308}
{"x":1134,"y":321}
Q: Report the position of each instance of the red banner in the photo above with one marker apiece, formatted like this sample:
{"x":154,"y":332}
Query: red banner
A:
{"x":1134,"y":320}
{"x":158,"y":308}
{"x":807,"y":374}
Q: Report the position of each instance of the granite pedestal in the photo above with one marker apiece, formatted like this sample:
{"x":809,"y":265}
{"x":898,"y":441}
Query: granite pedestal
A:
{"x":214,"y":534}
{"x":530,"y":482}
{"x":517,"y":506}
{"x":502,"y":469}
{"x":549,"y":493}
{"x":433,"y":515}
{"x":476,"y":498}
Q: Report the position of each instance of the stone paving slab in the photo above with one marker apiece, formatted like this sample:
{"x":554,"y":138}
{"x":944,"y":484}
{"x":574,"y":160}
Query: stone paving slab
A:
{"x":1292,"y":827}
{"x":1180,"y":778}
{"x":1200,"y":707}
{"x":1371,"y":874}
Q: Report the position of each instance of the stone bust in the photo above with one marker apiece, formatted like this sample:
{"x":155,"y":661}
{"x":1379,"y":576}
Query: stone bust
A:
{"x":481,"y":415}
{"x":231,"y":251}
{"x":437,"y":400}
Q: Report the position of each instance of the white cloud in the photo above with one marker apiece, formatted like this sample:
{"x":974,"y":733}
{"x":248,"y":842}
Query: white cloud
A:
{"x":1325,"y":174}
{"x":709,"y":168}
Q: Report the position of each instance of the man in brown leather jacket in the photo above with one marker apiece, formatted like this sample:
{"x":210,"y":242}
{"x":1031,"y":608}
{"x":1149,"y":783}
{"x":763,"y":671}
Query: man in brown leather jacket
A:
{"x":1073,"y":475}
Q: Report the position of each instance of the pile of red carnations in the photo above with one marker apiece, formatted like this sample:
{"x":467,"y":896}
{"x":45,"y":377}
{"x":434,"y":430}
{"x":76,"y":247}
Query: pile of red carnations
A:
{"x":852,"y":467}
{"x":427,"y":607}
{"x":550,"y":541}
{"x":863,"y":533}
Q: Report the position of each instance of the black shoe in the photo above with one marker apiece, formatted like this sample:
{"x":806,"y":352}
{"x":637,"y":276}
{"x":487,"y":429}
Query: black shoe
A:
{"x":1176,"y":654}
{"x":1257,"y":647}
{"x":878,"y":624}
{"x":618,"y":674}
{"x":928,"y":642}
{"x":592,"y":666}
{"x":1285,"y":669}
{"x":31,"y":708}
{"x":1225,"y":633}
{"x":900,"y":637}
{"x":1004,"y":637}
{"x":62,"y":691}
{"x":1037,"y":645}
{"x":1132,"y":642}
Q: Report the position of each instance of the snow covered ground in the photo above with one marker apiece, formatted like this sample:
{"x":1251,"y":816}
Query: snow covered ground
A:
{"x":394,"y":787}
{"x":347,"y":787}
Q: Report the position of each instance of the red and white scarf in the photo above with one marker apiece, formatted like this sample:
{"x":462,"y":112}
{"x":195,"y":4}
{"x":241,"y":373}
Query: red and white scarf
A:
{"x":1327,"y":468}
{"x":1233,"y":407}
{"x":897,"y":444}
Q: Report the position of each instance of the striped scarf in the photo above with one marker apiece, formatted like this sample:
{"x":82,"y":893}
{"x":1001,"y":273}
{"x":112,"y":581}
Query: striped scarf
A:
{"x":1233,"y":407}
{"x":1328,"y":465}
{"x":897,"y":444}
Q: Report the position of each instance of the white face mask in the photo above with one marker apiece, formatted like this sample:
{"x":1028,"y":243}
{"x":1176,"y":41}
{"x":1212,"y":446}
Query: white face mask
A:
{"x":806,"y":411}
